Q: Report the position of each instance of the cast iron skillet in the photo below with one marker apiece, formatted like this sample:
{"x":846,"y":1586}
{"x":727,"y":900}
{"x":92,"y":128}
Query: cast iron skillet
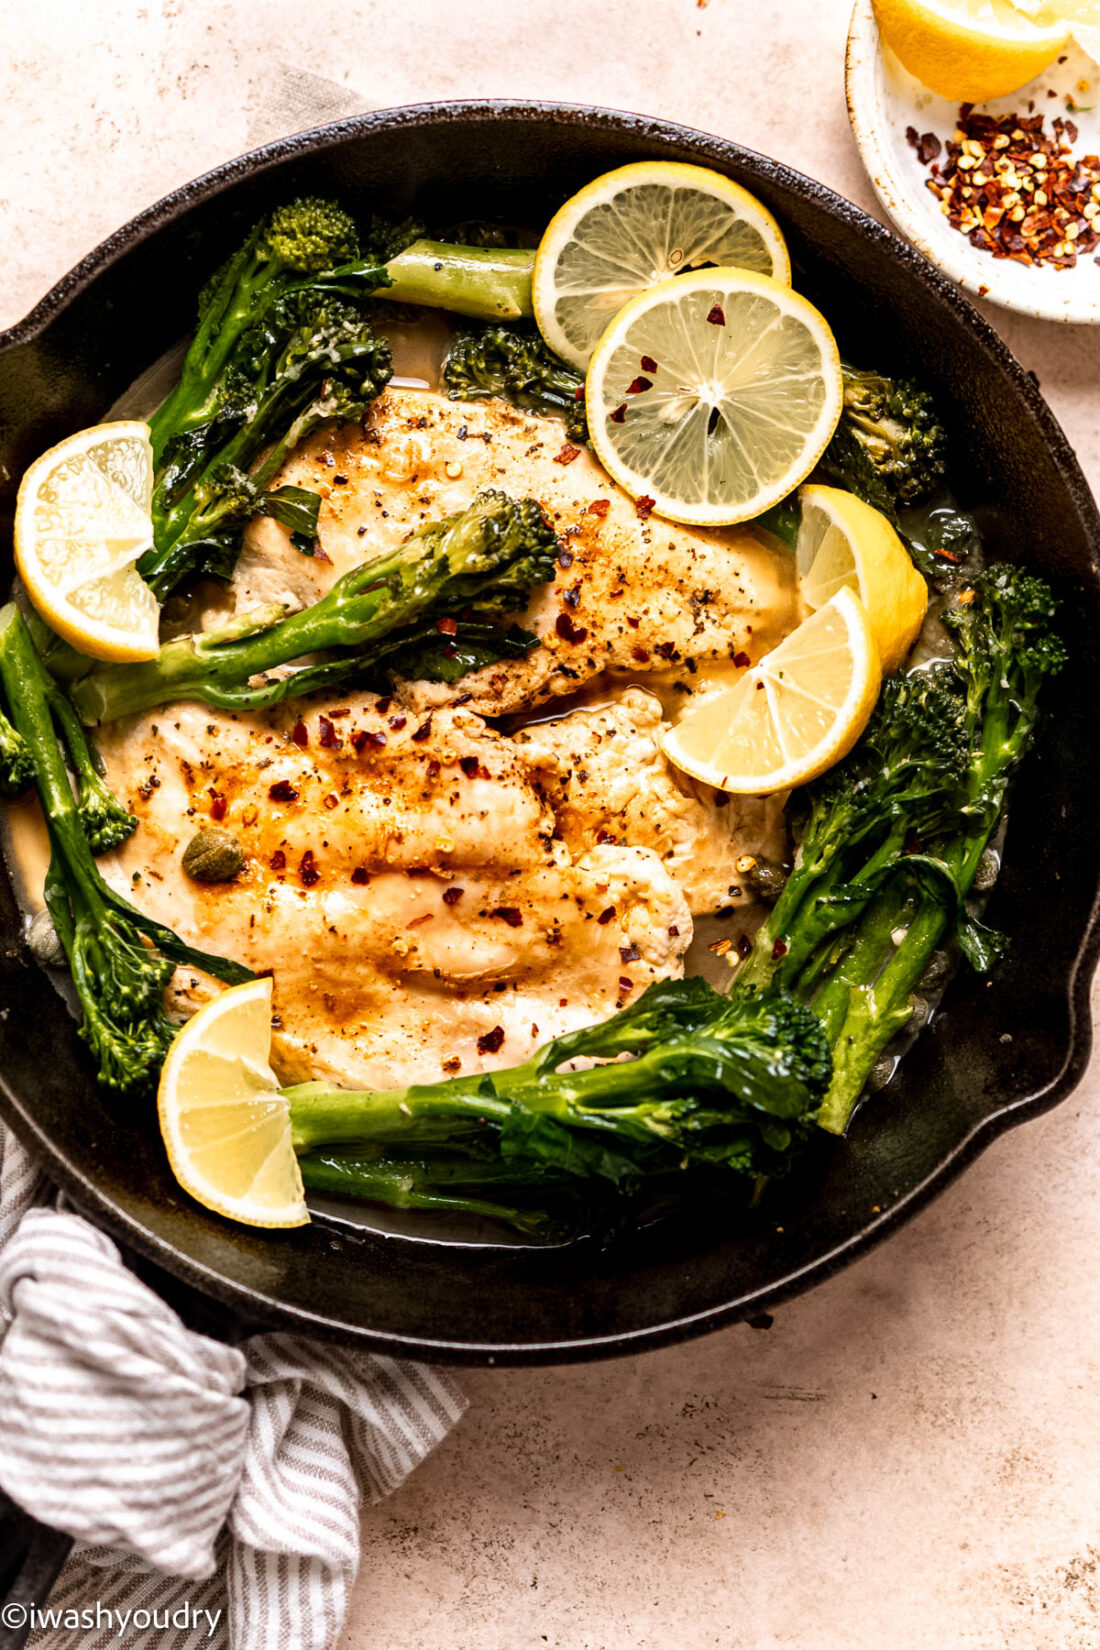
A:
{"x":995,"y":1055}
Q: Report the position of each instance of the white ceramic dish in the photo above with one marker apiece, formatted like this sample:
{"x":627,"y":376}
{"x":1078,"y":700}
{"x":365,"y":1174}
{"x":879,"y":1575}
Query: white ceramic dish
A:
{"x":884,"y":99}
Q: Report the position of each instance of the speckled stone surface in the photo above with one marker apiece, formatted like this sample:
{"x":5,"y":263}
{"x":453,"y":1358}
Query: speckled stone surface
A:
{"x":906,"y":1459}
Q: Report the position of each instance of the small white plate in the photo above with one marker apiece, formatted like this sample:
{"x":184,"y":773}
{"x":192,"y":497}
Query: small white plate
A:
{"x":884,"y":99}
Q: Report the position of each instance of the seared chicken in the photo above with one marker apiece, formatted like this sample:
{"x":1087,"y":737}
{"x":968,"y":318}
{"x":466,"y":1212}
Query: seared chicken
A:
{"x":603,"y":775}
{"x":632,"y":594}
{"x":402,"y":883}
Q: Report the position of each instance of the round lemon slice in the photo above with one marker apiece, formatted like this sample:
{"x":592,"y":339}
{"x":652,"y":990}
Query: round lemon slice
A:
{"x":225,"y":1125}
{"x":844,"y":543}
{"x":713,"y":395}
{"x":82,"y":521}
{"x":633,"y":227}
{"x":969,"y":50}
{"x":791,"y":716}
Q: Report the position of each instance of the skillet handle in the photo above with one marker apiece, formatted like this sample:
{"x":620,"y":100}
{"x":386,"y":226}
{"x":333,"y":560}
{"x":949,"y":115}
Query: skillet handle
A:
{"x":31,"y":1556}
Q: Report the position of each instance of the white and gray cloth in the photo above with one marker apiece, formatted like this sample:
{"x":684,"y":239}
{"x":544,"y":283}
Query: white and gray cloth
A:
{"x":191,"y":1473}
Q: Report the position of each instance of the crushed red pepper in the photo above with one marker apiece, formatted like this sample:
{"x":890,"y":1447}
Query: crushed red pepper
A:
{"x":567,"y":454}
{"x":1015,"y":190}
{"x":491,"y":1041}
{"x":283,"y":791}
{"x":308,"y":874}
{"x":598,"y":507}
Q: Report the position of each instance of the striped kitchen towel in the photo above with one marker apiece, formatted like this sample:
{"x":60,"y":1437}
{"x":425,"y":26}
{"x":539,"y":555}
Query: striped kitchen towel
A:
{"x":221,"y":1482}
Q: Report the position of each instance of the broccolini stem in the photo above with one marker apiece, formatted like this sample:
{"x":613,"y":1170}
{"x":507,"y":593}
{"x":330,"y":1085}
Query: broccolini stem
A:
{"x":448,"y":1188}
{"x":489,"y":282}
{"x":424,"y":1115}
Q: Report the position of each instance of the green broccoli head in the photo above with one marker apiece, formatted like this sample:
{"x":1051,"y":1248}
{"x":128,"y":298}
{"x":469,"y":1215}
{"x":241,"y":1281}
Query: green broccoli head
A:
{"x":311,"y":235}
{"x":890,"y":448}
{"x":1005,"y":641}
{"x":511,"y":360}
{"x":16,"y":762}
{"x":107,"y":824}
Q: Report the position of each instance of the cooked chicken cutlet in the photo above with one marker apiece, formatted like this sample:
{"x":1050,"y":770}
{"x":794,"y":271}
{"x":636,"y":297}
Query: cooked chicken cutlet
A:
{"x":401,"y":883}
{"x":631,"y":594}
{"x":602,"y":774}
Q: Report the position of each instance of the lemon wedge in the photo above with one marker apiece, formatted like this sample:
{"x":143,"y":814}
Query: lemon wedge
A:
{"x":633,"y":227}
{"x":226,"y":1127}
{"x":970,"y":50}
{"x":792,"y":715}
{"x":713,"y":395}
{"x":82,"y":521}
{"x":844,"y":543}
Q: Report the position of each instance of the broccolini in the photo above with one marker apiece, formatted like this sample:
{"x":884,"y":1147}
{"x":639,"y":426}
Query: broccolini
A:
{"x":890,"y":448}
{"x":513,"y":362}
{"x":120,"y":960}
{"x":487,"y":557}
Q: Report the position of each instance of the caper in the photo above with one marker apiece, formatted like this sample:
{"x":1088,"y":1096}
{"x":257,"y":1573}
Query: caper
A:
{"x":213,"y":855}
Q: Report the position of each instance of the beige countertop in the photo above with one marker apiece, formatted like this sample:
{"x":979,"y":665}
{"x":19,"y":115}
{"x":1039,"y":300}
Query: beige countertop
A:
{"x":906,"y":1459}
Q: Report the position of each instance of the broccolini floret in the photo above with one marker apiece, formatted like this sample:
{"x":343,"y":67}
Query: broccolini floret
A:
{"x":512,"y":361}
{"x":487,"y":557}
{"x":890,"y":448}
{"x":121,"y":960}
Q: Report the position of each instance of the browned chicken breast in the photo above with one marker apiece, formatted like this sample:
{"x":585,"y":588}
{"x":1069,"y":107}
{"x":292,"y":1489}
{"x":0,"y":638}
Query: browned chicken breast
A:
{"x":605,"y":779}
{"x":632,"y":595}
{"x":402,"y":883}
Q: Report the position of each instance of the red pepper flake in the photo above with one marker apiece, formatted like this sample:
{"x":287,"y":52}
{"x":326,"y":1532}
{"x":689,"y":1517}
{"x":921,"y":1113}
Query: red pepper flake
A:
{"x":360,"y":876}
{"x":629,"y":953}
{"x":778,"y":950}
{"x":643,"y":507}
{"x":568,"y":631}
{"x":300,"y":734}
{"x":434,"y":769}
{"x":1013,"y":189}
{"x":451,"y":896}
{"x":308,"y":874}
{"x":606,"y":915}
{"x":567,"y":454}
{"x":619,"y":414}
{"x":492,"y":1041}
{"x":578,"y":393}
{"x":633,"y":622}
{"x":949,"y":555}
{"x":383,"y":705}
{"x":716,"y":316}
{"x":278,"y":860}
{"x":639,"y":386}
{"x":473,"y":769}
{"x":673,"y":931}
{"x":217,"y":805}
{"x":640,"y":655}
{"x":565,"y":558}
{"x":283,"y":791}
{"x":648,"y":364}
{"x":511,"y":914}
{"x":625,"y":984}
{"x":667,"y":650}
{"x":606,"y":836}
{"x":330,"y":739}
{"x":572,"y":596}
{"x":423,"y":732}
{"x":599,"y":507}
{"x":744,"y":947}
{"x":331,"y":800}
{"x":447,"y":627}
{"x":742,"y":661}
{"x":397,"y":723}
{"x":367,"y":739}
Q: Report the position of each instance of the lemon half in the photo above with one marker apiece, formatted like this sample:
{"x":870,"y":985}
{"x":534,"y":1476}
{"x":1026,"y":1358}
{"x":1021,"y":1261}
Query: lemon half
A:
{"x":226,"y":1127}
{"x":792,"y":715}
{"x":969,"y":50}
{"x":82,"y":522}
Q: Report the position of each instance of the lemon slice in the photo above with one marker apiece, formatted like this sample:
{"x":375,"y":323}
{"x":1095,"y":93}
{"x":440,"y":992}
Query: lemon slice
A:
{"x":844,"y":543}
{"x":969,"y":50}
{"x":82,"y":520}
{"x":636,"y":226}
{"x":791,"y":716}
{"x":225,"y":1125}
{"x":713,"y":395}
